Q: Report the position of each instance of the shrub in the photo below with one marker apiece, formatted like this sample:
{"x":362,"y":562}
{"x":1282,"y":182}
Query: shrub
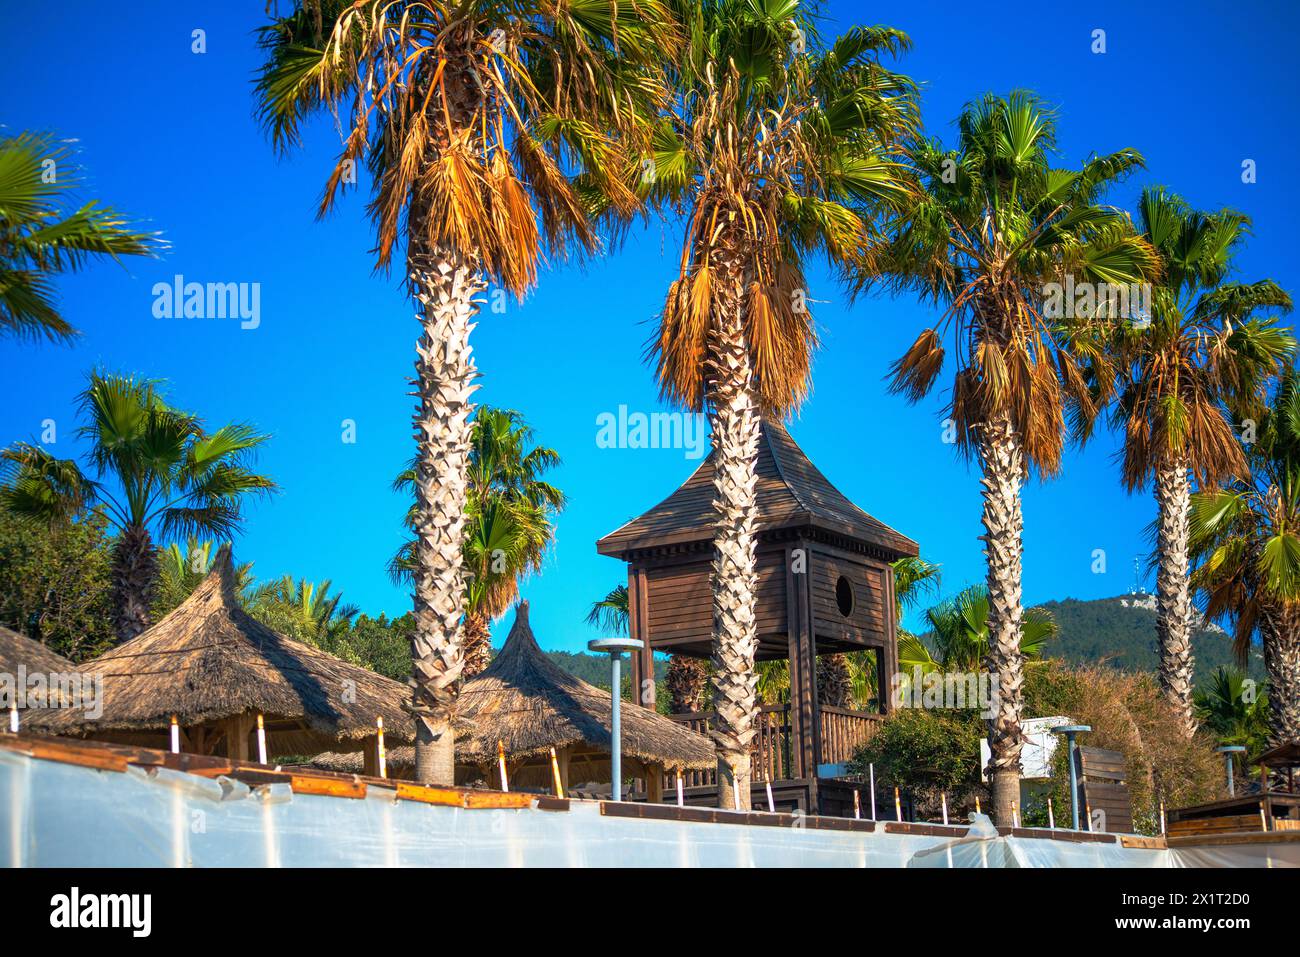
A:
{"x":924,"y":753}
{"x":1128,"y":714}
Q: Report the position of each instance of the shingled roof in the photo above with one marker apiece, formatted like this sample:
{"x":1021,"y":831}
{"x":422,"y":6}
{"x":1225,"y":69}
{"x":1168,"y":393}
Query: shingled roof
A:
{"x":792,"y":493}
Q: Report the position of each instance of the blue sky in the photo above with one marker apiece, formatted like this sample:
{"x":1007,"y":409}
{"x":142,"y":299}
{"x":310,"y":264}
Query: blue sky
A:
{"x":169,"y":136}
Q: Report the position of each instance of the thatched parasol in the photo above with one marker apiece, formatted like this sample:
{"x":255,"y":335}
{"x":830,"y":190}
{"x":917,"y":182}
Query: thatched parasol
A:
{"x":16,"y":649}
{"x":216,"y":668}
{"x":21,"y":660}
{"x":529,"y":704}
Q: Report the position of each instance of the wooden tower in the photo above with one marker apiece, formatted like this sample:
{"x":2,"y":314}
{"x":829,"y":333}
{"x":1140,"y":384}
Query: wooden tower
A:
{"x":824,"y":586}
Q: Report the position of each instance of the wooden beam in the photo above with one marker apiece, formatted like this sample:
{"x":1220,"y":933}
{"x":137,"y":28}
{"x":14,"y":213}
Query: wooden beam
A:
{"x":643,"y":665}
{"x":654,"y":783}
{"x":803,"y":663}
{"x":238,"y":729}
{"x":370,"y":757}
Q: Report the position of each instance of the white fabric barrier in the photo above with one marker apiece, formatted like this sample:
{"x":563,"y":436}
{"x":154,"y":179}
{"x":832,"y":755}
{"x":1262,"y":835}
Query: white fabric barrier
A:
{"x":63,"y":815}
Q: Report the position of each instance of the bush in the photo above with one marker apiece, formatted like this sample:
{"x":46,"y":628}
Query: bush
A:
{"x":1128,"y":714}
{"x":926,"y":753}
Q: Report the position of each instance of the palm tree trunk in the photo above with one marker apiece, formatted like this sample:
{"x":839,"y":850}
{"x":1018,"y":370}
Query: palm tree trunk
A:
{"x":135,"y":572}
{"x":735,"y":635}
{"x":446,"y":285}
{"x":834,"y":681}
{"x":478,"y":645}
{"x":1003,"y":462}
{"x":1173,"y":592}
{"x":686,"y":681}
{"x":1281,"y":633}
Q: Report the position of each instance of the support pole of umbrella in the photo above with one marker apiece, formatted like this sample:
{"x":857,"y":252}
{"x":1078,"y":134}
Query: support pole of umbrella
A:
{"x":681,"y":798}
{"x":615,"y":647}
{"x":261,"y":740}
{"x":898,"y":805}
{"x":13,"y":719}
{"x":1051,"y":815}
{"x":1070,"y":730}
{"x":176,"y":736}
{"x":943,"y":798}
{"x":501,"y":764}
{"x":1228,"y":750}
{"x":379,"y":746}
{"x":555,"y":773}
{"x":871,"y":772}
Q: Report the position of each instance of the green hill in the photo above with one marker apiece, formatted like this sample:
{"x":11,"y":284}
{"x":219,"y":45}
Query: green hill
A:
{"x":1122,"y":631}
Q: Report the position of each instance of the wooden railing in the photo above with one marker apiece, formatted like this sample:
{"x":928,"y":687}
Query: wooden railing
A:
{"x":842,"y":732}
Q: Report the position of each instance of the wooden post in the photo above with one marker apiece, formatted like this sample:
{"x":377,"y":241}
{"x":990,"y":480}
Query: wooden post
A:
{"x":237,"y":731}
{"x":642,"y":670}
{"x":804,"y":746}
{"x":261,"y":740}
{"x":370,"y":757}
{"x":562,"y":762}
{"x":887,"y":657}
{"x":555,"y":773}
{"x":654,"y":783}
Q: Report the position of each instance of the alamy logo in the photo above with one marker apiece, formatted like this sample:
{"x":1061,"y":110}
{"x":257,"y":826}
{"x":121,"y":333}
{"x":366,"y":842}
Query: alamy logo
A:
{"x":1100,"y":300}
{"x":133,"y":911}
{"x":179,"y":299}
{"x":53,"y":689}
{"x":655,"y":430}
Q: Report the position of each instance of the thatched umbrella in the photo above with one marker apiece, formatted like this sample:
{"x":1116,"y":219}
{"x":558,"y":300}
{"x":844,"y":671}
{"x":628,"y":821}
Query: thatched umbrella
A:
{"x":20,"y":660}
{"x":216,"y":668}
{"x":529,"y":704}
{"x":16,"y":649}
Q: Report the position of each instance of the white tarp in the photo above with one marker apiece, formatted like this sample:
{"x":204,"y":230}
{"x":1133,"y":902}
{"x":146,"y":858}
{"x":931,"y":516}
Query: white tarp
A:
{"x":63,"y":815}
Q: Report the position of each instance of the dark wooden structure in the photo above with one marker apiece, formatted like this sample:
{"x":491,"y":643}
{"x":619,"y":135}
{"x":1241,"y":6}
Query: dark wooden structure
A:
{"x":1104,"y":781}
{"x":1273,"y":806}
{"x":825,"y":586}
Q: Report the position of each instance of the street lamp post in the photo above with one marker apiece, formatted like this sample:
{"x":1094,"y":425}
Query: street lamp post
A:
{"x":1228,"y":750}
{"x":1070,"y":730}
{"x":615,"y":648}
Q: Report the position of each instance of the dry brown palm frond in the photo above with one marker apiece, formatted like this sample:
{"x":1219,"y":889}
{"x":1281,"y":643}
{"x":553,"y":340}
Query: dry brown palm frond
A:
{"x":915,"y":372}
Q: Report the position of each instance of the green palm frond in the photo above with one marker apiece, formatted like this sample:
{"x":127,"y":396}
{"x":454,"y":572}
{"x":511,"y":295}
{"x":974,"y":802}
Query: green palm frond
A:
{"x":41,"y":236}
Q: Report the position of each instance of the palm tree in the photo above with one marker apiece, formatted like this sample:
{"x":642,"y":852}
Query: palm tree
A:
{"x":181,"y":569}
{"x":773,"y":147}
{"x":509,"y":523}
{"x":301,"y":609}
{"x":171,"y":476}
{"x":959,"y":629}
{"x":1246,"y":541}
{"x":1200,"y":351}
{"x":41,"y":238}
{"x":470,"y":117}
{"x":1232,"y":713}
{"x":989,"y":226}
{"x":914,"y":579}
{"x":611,"y":612}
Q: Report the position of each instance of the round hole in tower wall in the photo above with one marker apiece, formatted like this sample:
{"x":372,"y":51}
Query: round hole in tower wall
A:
{"x":844,"y":596}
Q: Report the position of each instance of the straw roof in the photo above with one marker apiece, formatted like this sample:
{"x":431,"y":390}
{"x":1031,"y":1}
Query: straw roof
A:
{"x":16,"y":649}
{"x":530,"y":704}
{"x":209,"y":660}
